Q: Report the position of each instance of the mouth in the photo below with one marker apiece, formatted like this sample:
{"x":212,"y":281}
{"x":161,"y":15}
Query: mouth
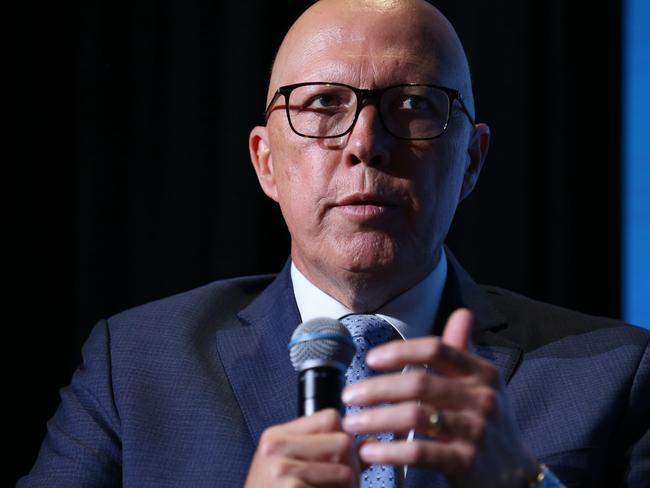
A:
{"x":366,"y":206}
{"x":356,"y":199}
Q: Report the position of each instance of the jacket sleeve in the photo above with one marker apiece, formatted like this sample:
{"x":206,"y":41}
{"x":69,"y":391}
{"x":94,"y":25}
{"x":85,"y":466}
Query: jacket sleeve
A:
{"x":82,"y":446}
{"x":639,"y":467}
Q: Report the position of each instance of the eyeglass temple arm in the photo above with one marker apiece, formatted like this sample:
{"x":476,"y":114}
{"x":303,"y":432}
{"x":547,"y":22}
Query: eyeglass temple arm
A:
{"x":270,"y":105}
{"x":459,"y":97}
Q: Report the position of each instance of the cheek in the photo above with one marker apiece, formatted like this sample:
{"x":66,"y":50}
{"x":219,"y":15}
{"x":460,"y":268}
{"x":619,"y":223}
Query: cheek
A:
{"x":302,"y":175}
{"x":287,"y":163}
{"x":438,"y":182}
{"x":303,"y":183}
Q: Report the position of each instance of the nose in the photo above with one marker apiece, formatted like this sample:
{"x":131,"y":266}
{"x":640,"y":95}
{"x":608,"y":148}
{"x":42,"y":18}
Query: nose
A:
{"x":368,"y":143}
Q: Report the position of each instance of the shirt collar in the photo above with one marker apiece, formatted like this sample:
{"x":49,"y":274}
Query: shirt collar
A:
{"x":412,"y":313}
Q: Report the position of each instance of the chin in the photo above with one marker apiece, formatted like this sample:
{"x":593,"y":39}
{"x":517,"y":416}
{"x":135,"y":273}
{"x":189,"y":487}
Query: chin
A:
{"x":368,"y":256}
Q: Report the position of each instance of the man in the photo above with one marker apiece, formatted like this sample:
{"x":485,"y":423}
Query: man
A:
{"x":369,"y":145}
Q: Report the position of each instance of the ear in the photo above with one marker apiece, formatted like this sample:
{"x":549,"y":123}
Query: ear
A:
{"x":476,"y":153}
{"x":262,"y":159}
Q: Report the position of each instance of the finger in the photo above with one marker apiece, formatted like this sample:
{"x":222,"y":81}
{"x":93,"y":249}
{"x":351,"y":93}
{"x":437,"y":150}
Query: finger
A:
{"x":338,"y":447}
{"x":367,"y":440}
{"x":444,"y":425}
{"x":416,"y":386}
{"x":299,"y":473}
{"x":458,"y":329}
{"x":328,"y":420}
{"x":441,"y":357}
{"x":450,"y":458}
{"x":395,"y":418}
{"x":452,"y":425}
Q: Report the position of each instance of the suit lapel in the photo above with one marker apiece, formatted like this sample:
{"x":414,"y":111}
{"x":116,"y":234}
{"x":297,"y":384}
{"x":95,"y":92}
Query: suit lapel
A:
{"x":256,"y":360}
{"x":461,"y":291}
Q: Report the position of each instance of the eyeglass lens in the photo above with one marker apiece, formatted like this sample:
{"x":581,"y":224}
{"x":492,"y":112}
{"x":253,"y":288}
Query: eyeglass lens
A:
{"x":410,"y":112}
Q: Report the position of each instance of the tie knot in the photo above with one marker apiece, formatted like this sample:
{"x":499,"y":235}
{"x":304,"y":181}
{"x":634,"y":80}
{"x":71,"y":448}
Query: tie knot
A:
{"x":372,"y":328}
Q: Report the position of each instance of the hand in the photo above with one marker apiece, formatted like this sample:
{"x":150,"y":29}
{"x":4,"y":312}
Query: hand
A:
{"x":309,"y":451}
{"x":476,"y":442}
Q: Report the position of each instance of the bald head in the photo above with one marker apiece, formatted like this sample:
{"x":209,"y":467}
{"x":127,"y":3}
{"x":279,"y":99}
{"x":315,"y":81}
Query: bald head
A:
{"x":401,"y":32}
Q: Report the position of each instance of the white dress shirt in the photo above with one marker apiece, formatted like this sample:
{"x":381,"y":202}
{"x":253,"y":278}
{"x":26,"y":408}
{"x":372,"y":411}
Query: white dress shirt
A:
{"x":412,"y":313}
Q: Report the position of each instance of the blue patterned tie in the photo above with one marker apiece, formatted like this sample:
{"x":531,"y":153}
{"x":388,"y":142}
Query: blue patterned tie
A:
{"x":369,"y":331}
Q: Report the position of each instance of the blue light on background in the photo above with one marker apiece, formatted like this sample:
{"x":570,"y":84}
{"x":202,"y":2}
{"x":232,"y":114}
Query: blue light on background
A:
{"x":636,"y":162}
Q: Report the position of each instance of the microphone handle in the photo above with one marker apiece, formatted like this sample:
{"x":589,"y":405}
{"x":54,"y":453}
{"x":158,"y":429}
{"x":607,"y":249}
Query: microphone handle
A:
{"x":320,"y":388}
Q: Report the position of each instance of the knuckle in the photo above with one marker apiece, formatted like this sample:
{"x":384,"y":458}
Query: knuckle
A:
{"x":414,"y":415}
{"x":293,"y":482}
{"x":418,"y":453}
{"x":271,"y":443}
{"x":466,"y":458}
{"x":345,"y":443}
{"x":479,"y":431}
{"x":434,"y":349}
{"x":267,"y":434}
{"x":330,"y":418}
{"x":488,"y":402}
{"x":343,"y":474}
{"x":280,"y":470}
{"x":421,"y":384}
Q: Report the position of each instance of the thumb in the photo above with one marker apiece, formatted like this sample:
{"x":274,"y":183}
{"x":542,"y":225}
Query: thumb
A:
{"x":458,"y":330}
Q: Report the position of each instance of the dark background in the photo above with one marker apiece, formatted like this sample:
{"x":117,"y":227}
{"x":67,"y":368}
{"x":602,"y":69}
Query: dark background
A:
{"x":130,"y":178}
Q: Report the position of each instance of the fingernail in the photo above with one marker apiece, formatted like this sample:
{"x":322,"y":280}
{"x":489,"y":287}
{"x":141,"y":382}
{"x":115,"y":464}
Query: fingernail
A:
{"x":370,"y":450}
{"x":350,"y":394}
{"x":375,"y":357}
{"x":353,"y":421}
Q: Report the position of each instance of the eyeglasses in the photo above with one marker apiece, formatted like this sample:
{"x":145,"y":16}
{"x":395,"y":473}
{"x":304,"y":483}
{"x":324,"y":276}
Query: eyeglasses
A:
{"x":322,"y":110}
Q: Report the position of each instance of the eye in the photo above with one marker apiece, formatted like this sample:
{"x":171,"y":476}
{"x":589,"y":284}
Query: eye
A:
{"x":324,"y":100}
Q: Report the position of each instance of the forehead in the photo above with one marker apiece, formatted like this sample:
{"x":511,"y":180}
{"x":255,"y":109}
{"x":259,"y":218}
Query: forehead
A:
{"x":369,"y":52}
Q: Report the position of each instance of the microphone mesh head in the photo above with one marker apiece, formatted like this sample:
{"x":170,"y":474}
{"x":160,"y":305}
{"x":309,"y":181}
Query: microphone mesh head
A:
{"x":321,"y":341}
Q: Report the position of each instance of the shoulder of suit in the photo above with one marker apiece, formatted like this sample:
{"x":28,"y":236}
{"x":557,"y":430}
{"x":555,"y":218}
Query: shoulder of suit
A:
{"x":213,"y":305}
{"x":532,"y":323}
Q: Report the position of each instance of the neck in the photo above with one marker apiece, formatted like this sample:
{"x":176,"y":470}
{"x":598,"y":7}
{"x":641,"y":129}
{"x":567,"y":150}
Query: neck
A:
{"x":368,"y":290}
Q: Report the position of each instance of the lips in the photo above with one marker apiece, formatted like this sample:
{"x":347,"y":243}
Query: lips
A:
{"x":367,"y":199}
{"x":366,"y":206}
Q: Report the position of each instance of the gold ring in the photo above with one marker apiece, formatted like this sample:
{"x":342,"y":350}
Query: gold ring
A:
{"x":435,"y":422}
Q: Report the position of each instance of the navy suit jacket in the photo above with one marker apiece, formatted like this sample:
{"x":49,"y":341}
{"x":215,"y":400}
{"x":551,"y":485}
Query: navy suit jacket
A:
{"x":176,"y":393}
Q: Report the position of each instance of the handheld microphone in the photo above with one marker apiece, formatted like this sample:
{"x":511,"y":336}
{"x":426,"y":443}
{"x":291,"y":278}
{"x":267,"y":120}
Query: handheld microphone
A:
{"x":321,"y":350}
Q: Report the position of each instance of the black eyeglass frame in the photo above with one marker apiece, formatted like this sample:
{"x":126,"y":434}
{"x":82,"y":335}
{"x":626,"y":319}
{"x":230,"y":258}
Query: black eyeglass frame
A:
{"x":368,"y":93}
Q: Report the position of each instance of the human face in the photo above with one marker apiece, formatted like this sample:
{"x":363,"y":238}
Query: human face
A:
{"x":365,"y":204}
